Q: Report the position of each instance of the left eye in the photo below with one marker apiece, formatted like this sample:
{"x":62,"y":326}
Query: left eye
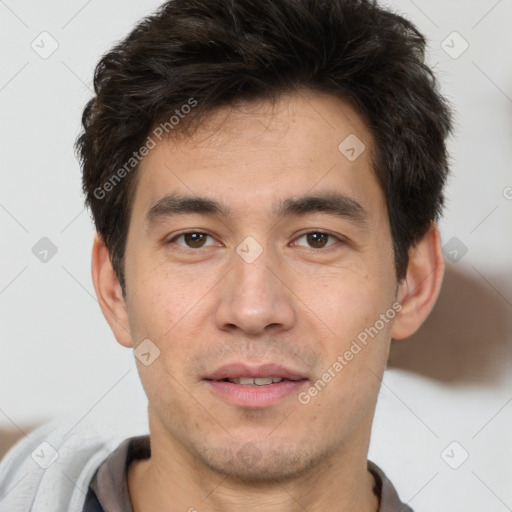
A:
{"x":318,"y":240}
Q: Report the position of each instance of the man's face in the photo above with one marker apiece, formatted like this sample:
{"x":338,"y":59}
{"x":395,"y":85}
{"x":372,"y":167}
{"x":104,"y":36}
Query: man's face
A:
{"x":253,"y":288}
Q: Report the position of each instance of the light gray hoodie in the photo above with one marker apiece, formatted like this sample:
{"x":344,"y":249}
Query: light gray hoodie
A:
{"x":50,"y":469}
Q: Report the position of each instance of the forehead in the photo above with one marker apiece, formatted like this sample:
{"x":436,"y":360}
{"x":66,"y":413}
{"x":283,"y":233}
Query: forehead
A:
{"x":302,"y":142}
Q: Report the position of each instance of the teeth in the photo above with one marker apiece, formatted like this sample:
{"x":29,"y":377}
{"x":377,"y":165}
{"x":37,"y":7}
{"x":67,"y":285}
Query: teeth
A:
{"x":263,"y":381}
{"x":258,"y":381}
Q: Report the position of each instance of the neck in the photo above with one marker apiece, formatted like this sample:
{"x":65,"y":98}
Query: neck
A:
{"x":174,"y":480}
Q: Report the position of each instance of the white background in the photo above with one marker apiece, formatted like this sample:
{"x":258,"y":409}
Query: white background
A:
{"x":450,"y":382}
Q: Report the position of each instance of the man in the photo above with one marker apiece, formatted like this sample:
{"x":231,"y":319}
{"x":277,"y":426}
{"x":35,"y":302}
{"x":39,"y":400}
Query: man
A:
{"x":265,"y":180}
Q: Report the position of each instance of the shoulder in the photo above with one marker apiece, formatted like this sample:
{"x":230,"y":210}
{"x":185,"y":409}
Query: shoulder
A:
{"x":50,"y":468}
{"x":389,"y":500}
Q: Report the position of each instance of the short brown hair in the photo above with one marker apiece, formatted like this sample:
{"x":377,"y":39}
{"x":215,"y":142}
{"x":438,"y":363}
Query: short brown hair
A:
{"x":216,"y":52}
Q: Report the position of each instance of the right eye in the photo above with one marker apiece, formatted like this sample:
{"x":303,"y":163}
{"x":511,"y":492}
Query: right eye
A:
{"x":191,"y":239}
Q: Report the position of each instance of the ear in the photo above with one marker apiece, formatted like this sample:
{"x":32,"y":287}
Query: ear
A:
{"x":109,"y":293}
{"x":418,"y":292}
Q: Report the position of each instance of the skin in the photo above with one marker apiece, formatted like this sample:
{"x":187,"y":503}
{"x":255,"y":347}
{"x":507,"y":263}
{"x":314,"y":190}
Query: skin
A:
{"x":298,"y":304}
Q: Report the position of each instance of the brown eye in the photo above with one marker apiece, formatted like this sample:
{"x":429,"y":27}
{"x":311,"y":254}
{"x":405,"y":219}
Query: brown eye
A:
{"x":192,"y":240}
{"x":317,"y":239}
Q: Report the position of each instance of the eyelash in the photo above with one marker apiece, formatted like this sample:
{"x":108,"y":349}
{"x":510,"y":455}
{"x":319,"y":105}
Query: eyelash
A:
{"x":176,"y":237}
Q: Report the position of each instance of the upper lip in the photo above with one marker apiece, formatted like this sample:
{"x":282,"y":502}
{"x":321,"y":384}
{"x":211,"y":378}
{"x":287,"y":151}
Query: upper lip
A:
{"x":237,"y":370}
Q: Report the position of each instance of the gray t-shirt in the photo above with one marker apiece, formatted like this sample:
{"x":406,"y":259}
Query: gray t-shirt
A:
{"x":108,"y":490}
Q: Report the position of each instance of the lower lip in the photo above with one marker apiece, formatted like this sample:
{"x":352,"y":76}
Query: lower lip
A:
{"x":256,"y":396}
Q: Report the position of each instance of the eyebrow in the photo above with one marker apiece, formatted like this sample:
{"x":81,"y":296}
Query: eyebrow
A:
{"x":334,"y":203}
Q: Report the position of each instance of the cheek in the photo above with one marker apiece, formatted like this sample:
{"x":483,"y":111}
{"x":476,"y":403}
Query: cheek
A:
{"x":355,"y":356}
{"x":159,"y":298}
{"x":347,"y":301}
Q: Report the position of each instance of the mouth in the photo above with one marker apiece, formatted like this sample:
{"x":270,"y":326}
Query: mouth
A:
{"x":257,"y":381}
{"x":255,"y":387}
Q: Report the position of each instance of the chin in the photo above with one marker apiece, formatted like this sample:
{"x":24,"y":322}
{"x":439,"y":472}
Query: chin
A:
{"x":259,"y":463}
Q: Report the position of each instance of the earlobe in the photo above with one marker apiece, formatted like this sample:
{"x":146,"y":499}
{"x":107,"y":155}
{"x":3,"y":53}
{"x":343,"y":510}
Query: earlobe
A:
{"x":109,"y":293}
{"x":418,"y":292}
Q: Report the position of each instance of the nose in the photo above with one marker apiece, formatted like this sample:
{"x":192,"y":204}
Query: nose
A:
{"x":254,"y":298}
